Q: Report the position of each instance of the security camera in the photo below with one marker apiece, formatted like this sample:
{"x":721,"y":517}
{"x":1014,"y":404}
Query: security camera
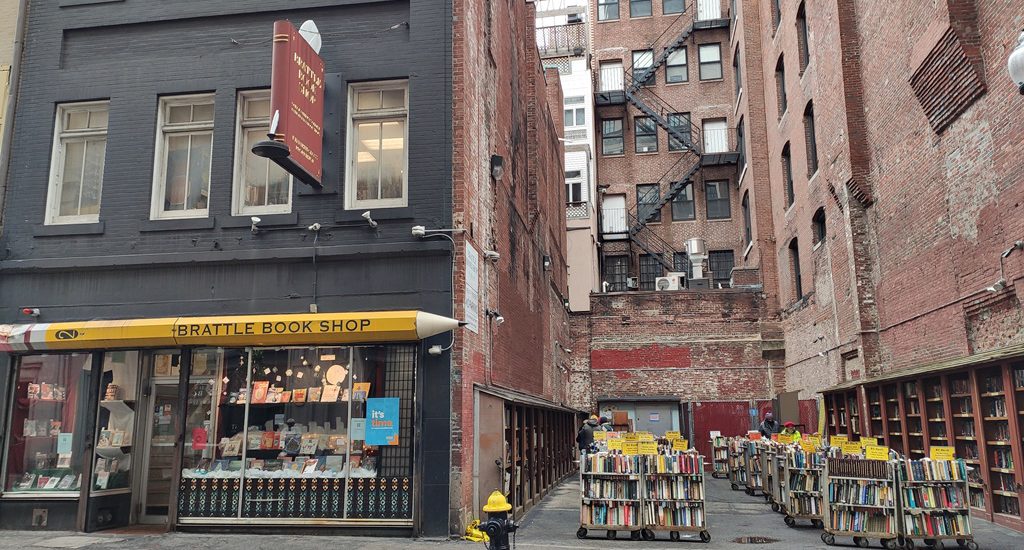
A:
{"x":255,"y":221}
{"x":418,"y":231}
{"x":315,"y":227}
{"x":491,"y":255}
{"x":999,"y":285}
{"x":369,"y":220}
{"x":434,"y":350}
{"x":499,"y":320}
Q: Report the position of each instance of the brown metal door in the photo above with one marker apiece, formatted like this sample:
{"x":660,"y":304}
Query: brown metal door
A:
{"x":491,"y":447}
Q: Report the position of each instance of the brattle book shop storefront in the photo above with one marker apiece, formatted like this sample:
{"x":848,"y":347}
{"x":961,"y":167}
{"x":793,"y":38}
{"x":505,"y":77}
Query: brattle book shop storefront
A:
{"x":243,"y":420}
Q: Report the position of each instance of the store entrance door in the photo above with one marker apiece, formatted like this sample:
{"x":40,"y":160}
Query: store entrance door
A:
{"x":160,"y":434}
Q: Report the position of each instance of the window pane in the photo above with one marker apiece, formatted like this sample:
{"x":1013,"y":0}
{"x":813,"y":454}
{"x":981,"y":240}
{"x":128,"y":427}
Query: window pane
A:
{"x":709,"y":53}
{"x":199,"y":171}
{"x":257,"y":108}
{"x":672,"y":6}
{"x":176,"y":172}
{"x":71,"y":182}
{"x":93,"y":179}
{"x":367,"y":165}
{"x":710,"y":71}
{"x":98,"y":119}
{"x":393,"y":99}
{"x":682,"y":205}
{"x":77,"y":120}
{"x":202,"y":112}
{"x":567,"y":120}
{"x":368,"y":100}
{"x":616,"y":269}
{"x":677,"y":57}
{"x":392,"y":157}
{"x":254,"y":188}
{"x":581,"y":117}
{"x":279,"y":189}
{"x":47,"y":424}
{"x":179,"y":114}
{"x":639,"y":8}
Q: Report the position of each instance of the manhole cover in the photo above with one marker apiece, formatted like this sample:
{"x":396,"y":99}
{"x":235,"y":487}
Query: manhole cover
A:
{"x":755,"y":540}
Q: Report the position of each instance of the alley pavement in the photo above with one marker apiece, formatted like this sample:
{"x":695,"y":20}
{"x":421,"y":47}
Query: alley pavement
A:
{"x":733,"y":517}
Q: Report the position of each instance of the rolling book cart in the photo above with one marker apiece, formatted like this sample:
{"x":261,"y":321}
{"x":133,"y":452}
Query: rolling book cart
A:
{"x":767,"y":462}
{"x":935,"y":502}
{"x":802,"y":486}
{"x":778,"y":484}
{"x":610,"y":484}
{"x":861,"y":501}
{"x":737,"y":462}
{"x":720,"y":464}
{"x":673,"y":497}
{"x":752,"y":462}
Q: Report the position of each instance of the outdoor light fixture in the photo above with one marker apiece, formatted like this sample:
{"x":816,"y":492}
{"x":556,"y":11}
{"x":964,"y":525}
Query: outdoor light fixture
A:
{"x":255,"y":221}
{"x":497,"y":167}
{"x":547,"y":263}
{"x":496,"y":315}
{"x":1017,"y":245}
{"x":997,"y":286}
{"x":492,"y":255}
{"x":369,"y":219}
{"x":1015,"y":64}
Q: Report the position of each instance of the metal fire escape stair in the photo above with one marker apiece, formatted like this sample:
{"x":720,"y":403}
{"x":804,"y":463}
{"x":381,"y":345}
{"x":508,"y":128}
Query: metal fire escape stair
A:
{"x":683,"y":172}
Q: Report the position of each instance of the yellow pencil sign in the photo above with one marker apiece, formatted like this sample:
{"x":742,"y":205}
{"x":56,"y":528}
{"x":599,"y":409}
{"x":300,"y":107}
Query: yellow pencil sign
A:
{"x":680,"y":445}
{"x":876,"y":452}
{"x":942,"y":453}
{"x":600,"y":435}
{"x":615,"y":444}
{"x":647,"y":448}
{"x":630,"y":447}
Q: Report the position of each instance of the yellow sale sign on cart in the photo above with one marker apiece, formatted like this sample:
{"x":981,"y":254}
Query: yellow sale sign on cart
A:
{"x":876,"y":452}
{"x":630,"y":447}
{"x":868,"y":441}
{"x":672,"y":435}
{"x":680,"y":445}
{"x":615,"y":444}
{"x":631,"y":437}
{"x":942,"y":453}
{"x":647,"y":448}
{"x":600,"y":435}
{"x":645,"y":436}
{"x":837,"y":440}
{"x":851,"y":448}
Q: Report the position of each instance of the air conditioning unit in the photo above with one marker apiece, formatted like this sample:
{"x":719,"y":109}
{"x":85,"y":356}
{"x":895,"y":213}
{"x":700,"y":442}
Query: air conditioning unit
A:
{"x":632,"y":282}
{"x":666,"y":283}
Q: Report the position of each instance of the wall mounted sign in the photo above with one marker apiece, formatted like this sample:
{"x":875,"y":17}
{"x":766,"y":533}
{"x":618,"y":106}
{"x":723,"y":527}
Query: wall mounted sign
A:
{"x":382,"y":421}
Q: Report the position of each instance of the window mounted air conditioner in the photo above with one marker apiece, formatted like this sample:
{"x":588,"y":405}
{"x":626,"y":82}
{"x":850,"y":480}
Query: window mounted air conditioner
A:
{"x":632,"y":282}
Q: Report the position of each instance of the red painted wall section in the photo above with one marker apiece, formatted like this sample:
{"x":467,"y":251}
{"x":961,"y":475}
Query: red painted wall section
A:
{"x":654,"y":356}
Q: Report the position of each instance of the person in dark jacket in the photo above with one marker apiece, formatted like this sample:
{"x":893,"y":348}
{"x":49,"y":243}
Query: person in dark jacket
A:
{"x":769,"y":426}
{"x":585,"y":437}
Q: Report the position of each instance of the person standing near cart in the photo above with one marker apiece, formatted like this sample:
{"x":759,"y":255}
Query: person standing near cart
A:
{"x":768,"y":426}
{"x":789,"y":429}
{"x":585,"y":437}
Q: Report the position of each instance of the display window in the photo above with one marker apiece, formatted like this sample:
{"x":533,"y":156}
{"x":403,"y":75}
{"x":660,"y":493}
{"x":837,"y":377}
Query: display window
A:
{"x":115,"y":422}
{"x":299,"y":433}
{"x":45,"y":440}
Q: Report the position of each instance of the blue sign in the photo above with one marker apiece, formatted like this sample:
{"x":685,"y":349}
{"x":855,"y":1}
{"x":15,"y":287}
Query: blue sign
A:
{"x":382,"y":421}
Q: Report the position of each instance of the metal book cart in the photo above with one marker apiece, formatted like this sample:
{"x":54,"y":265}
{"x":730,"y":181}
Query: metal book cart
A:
{"x":674,"y":492}
{"x":802,"y":486}
{"x":778,"y":484}
{"x":737,"y":462}
{"x":720,"y":461}
{"x":861,"y":501}
{"x":935,"y":503}
{"x":752,"y":462}
{"x":610,"y":486}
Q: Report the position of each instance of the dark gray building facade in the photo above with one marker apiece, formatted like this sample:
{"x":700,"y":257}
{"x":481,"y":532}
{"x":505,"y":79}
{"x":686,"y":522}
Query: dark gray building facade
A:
{"x":131,"y":195}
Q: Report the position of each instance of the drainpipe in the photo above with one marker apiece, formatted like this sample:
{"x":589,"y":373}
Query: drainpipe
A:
{"x":12,"y":100}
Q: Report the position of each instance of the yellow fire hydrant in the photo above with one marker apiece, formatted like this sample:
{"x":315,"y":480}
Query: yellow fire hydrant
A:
{"x":498,"y":524}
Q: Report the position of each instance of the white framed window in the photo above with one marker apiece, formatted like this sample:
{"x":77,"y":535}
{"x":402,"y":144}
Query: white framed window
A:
{"x":260,"y":186}
{"x":76,"y":164}
{"x":184,"y":147}
{"x":377,"y":175}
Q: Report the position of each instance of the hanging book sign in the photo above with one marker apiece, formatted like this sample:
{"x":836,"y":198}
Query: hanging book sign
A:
{"x":876,"y":452}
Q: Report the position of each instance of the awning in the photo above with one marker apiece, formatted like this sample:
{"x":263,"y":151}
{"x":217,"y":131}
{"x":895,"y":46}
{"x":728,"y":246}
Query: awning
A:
{"x":1000,"y":354}
{"x":228,"y":331}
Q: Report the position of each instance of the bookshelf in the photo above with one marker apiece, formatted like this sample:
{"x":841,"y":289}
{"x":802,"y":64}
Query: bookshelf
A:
{"x":893,"y":417}
{"x":876,"y":416}
{"x":767,"y":467}
{"x":802,"y":483}
{"x":719,"y":458}
{"x":934,"y":501}
{"x":752,"y":464}
{"x":915,"y":426}
{"x":999,"y":448}
{"x":610,"y":487}
{"x":843,"y":414}
{"x":860,"y":501}
{"x":673,"y":497}
{"x":779,"y":496}
{"x":737,"y":462}
{"x":853,"y":415}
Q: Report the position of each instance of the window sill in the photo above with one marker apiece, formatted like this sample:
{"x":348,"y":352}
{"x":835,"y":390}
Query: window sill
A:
{"x":71,"y":3}
{"x":632,"y":17}
{"x":613,"y":156}
{"x":616,"y":20}
{"x":712,"y":80}
{"x":68,"y":229}
{"x":680,"y":83}
{"x":266,"y":220}
{"x":729,"y":219}
{"x":691,"y":220}
{"x":183,"y":224}
{"x":645,"y":153}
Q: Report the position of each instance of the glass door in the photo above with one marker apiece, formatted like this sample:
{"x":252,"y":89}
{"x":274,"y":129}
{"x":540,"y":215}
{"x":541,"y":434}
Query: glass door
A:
{"x":160,"y":422}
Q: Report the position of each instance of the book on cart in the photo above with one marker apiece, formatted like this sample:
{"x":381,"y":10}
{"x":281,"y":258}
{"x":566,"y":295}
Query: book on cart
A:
{"x":935,"y":500}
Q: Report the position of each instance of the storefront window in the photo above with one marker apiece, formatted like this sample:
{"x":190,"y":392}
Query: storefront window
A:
{"x":115,"y":421}
{"x":302,"y":433}
{"x":46,"y":439}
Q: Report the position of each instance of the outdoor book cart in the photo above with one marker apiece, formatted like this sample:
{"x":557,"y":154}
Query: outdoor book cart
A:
{"x":610,"y":484}
{"x":752,"y":462}
{"x":674,"y":495}
{"x":861,"y":501}
{"x":720,"y":462}
{"x":802,"y":486}
{"x":767,"y":465}
{"x":737,"y":462}
{"x":934,"y":503}
{"x":778,"y":483}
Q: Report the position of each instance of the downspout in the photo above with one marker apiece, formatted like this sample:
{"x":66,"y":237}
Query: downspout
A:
{"x":12,"y":100}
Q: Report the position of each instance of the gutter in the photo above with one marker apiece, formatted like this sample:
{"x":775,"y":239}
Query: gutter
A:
{"x":12,"y":101}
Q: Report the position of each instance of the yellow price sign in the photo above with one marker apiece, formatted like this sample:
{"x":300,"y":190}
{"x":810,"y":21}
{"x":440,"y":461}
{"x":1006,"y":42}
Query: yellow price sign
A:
{"x":680,"y":445}
{"x":613,"y":435}
{"x":876,"y":452}
{"x":615,"y":444}
{"x":630,"y":447}
{"x":851,"y":448}
{"x":814,"y":440}
{"x":868,"y":441}
{"x":631,"y":437}
{"x":942,"y":453}
{"x":600,"y":435}
{"x":775,"y":437}
{"x":646,"y":436}
{"x":672,"y":435}
{"x":838,"y":440}
{"x":647,"y":447}
{"x":807,"y":447}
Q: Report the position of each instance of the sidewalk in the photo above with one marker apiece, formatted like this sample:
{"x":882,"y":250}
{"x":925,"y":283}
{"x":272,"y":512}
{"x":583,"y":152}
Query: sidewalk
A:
{"x":732,"y":515}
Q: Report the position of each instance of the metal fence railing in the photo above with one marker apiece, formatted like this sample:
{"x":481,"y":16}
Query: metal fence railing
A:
{"x":577,"y":210}
{"x":569,"y":39}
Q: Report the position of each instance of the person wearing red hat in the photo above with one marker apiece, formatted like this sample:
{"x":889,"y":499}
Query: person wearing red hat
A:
{"x":789,"y":429}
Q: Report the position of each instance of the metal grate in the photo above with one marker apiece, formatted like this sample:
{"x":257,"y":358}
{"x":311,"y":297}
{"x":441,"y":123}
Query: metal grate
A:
{"x":400,"y":376}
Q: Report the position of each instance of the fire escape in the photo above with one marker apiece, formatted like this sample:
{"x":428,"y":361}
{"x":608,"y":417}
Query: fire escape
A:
{"x":635,"y":90}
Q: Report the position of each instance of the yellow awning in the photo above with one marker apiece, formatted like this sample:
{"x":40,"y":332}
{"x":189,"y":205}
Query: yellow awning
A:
{"x":227,"y":331}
